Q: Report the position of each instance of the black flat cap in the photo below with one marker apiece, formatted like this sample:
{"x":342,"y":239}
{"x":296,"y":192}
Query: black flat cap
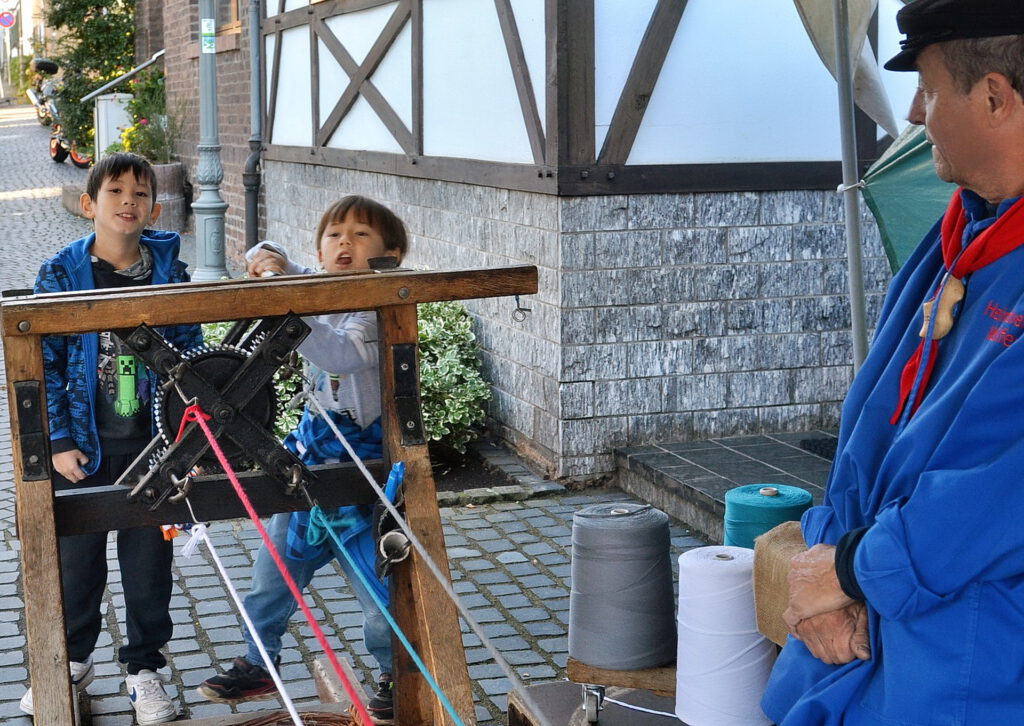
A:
{"x":925,"y":22}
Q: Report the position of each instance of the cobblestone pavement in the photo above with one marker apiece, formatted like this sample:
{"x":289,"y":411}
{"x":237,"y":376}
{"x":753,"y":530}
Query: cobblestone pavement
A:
{"x":510,"y":558}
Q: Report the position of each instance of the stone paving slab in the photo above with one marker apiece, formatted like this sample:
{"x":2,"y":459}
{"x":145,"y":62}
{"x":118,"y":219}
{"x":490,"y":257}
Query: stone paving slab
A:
{"x":688,"y":480}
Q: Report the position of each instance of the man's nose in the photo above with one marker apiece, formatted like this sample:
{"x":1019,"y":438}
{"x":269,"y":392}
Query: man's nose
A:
{"x":916,"y":114}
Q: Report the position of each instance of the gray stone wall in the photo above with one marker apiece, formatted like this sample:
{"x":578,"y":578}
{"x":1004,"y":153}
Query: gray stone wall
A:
{"x":658,"y":317}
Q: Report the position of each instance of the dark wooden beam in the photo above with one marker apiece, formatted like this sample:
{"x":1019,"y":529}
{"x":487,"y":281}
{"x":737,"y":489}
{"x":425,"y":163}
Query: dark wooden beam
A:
{"x":675,"y":178}
{"x":575,"y":62}
{"x":525,"y":177}
{"x":360,"y":83}
{"x":417,"y":77}
{"x":101,"y":509}
{"x":643,"y":76}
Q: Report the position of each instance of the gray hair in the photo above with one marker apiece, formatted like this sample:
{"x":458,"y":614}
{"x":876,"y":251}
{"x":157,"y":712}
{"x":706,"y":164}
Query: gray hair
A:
{"x":969,"y":59}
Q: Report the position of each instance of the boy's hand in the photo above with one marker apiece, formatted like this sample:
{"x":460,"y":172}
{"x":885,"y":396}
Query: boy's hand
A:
{"x":264,"y":262}
{"x":69,"y":464}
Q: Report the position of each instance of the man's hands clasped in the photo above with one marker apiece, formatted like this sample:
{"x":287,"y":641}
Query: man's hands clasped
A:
{"x":833,"y":626}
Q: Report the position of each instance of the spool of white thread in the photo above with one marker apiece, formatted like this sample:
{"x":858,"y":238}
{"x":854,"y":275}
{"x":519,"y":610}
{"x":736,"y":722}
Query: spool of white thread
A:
{"x":722,"y":662}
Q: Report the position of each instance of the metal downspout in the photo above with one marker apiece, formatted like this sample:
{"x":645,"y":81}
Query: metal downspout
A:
{"x":252,"y":172}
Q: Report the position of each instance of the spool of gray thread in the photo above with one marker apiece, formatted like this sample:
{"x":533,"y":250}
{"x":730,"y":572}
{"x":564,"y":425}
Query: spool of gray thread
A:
{"x":621,"y":606}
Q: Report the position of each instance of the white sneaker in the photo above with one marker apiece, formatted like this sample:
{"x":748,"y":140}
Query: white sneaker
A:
{"x":151,"y":704}
{"x":82,"y":675}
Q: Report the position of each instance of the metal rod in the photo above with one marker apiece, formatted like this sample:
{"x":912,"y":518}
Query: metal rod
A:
{"x":123,"y":77}
{"x":850,"y":191}
{"x":251,"y":172}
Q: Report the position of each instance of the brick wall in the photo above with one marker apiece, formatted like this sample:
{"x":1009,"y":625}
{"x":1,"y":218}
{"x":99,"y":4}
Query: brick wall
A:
{"x":658,"y":317}
{"x":149,"y":28}
{"x":180,"y":32}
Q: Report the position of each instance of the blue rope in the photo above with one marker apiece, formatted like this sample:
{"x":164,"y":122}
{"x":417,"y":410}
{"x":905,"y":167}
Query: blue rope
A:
{"x":317,"y":516}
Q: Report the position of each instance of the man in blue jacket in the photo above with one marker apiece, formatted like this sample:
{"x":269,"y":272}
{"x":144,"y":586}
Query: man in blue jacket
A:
{"x":909,"y":606}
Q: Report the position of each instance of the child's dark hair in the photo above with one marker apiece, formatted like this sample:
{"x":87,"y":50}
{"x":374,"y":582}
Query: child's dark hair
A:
{"x":112,"y":166}
{"x":367,"y":211}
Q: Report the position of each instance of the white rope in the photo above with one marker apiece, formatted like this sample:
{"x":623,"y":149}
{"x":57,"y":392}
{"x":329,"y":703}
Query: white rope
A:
{"x":640,"y":708}
{"x":442,"y":578}
{"x":199,"y":531}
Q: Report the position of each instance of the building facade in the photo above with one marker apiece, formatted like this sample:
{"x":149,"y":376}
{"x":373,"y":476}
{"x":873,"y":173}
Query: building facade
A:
{"x":676,"y":194}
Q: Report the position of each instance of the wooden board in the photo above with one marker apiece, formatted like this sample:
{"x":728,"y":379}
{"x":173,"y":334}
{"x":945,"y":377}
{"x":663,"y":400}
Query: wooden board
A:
{"x":561,"y":704}
{"x":661,"y":681}
{"x":200,"y":302}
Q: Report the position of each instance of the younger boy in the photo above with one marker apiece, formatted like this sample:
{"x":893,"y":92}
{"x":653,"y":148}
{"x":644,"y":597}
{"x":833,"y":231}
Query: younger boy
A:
{"x":342,"y":365}
{"x":98,"y":426}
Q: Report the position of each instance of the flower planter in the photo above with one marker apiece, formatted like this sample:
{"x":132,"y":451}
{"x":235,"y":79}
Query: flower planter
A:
{"x":170,"y":184}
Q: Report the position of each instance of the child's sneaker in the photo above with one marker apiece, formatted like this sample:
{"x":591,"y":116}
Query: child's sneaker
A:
{"x":243,"y":682}
{"x":151,"y":703}
{"x":382,"y":705}
{"x":82,"y":675}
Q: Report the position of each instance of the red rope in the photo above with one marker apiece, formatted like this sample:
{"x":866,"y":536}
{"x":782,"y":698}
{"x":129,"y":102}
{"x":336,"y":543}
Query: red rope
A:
{"x":195,"y":413}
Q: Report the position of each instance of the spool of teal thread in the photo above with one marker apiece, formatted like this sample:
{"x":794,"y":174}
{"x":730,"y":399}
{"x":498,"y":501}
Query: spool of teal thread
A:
{"x":753,"y":509}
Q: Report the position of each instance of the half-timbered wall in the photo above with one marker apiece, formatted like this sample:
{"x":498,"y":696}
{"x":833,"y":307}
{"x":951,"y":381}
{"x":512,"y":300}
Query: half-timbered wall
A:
{"x":690,"y":246}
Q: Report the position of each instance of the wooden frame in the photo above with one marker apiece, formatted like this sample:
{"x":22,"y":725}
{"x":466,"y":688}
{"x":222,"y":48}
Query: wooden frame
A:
{"x":394,"y":295}
{"x":565,"y":161}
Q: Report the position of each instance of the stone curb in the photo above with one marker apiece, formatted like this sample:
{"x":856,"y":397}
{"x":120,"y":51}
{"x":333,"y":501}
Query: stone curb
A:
{"x":525,"y":483}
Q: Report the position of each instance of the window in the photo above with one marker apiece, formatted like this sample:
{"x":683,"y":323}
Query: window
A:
{"x":228,"y":16}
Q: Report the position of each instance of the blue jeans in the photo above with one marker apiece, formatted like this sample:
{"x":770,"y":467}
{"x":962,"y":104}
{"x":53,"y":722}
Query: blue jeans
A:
{"x":270,"y":603}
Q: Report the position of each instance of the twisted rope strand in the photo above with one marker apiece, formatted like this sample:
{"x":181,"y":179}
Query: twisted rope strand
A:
{"x":196,"y":414}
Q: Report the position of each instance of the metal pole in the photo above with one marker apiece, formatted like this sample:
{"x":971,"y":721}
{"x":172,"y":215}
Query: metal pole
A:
{"x":209,"y":207}
{"x":251,"y":173}
{"x":849,"y":188}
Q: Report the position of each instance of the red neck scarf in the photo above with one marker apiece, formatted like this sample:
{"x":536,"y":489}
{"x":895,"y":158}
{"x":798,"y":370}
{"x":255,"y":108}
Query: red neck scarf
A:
{"x":1001,"y":237}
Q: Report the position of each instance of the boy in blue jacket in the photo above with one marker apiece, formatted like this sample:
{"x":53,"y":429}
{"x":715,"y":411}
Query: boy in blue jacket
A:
{"x":98,"y":402}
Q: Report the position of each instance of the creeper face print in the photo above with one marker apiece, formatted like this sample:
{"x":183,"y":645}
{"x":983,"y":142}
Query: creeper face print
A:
{"x":127,"y":403}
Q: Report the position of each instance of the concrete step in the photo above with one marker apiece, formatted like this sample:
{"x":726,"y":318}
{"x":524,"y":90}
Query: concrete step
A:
{"x":688,"y":480}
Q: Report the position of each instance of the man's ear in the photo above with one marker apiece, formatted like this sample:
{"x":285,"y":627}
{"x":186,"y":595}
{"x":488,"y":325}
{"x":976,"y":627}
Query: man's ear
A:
{"x":86,"y":203}
{"x":156,"y":212}
{"x":1000,"y":95}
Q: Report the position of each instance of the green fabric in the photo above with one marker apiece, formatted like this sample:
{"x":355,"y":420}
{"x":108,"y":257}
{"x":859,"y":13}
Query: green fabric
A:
{"x":903,"y":192}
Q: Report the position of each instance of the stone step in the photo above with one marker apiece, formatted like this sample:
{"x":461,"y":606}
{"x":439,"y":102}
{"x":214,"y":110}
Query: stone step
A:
{"x":688,"y":480}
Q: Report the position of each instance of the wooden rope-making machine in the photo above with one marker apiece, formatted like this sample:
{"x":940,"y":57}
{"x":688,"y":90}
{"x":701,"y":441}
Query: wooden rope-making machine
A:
{"x":232,"y":384}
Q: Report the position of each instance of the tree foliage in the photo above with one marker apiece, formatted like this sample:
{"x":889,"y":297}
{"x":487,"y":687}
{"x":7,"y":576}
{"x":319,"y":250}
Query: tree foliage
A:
{"x":97,"y":44}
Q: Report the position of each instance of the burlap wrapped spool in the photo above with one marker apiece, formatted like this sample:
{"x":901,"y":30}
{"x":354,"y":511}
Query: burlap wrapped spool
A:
{"x":772,"y":552}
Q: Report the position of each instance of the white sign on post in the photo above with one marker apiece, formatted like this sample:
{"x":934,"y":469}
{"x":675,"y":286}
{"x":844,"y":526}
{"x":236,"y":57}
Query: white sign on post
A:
{"x":9,"y":5}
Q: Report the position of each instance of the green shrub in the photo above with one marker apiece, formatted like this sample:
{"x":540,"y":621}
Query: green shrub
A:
{"x":452,"y":390}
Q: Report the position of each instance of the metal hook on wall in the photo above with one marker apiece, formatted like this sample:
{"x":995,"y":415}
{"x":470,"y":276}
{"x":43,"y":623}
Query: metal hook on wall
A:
{"x":519,"y":314}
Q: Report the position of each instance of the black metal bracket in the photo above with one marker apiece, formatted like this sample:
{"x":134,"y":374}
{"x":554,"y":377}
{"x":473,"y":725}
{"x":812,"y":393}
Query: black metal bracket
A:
{"x":35,"y":446}
{"x":274,"y":340}
{"x":407,"y":394}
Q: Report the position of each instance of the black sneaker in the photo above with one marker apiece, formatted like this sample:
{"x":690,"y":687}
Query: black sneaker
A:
{"x":382,"y":705}
{"x":243,"y":682}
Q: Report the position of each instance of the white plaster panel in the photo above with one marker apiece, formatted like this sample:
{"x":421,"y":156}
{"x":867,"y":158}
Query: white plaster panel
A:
{"x":293,"y":125}
{"x":470,"y":105}
{"x":618,"y":29}
{"x":741,"y":83}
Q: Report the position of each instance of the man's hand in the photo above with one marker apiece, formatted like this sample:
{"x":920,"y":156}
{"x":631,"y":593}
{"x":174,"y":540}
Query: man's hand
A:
{"x":266,"y":263}
{"x":69,"y":465}
{"x":813,"y":586}
{"x":837,"y":637}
